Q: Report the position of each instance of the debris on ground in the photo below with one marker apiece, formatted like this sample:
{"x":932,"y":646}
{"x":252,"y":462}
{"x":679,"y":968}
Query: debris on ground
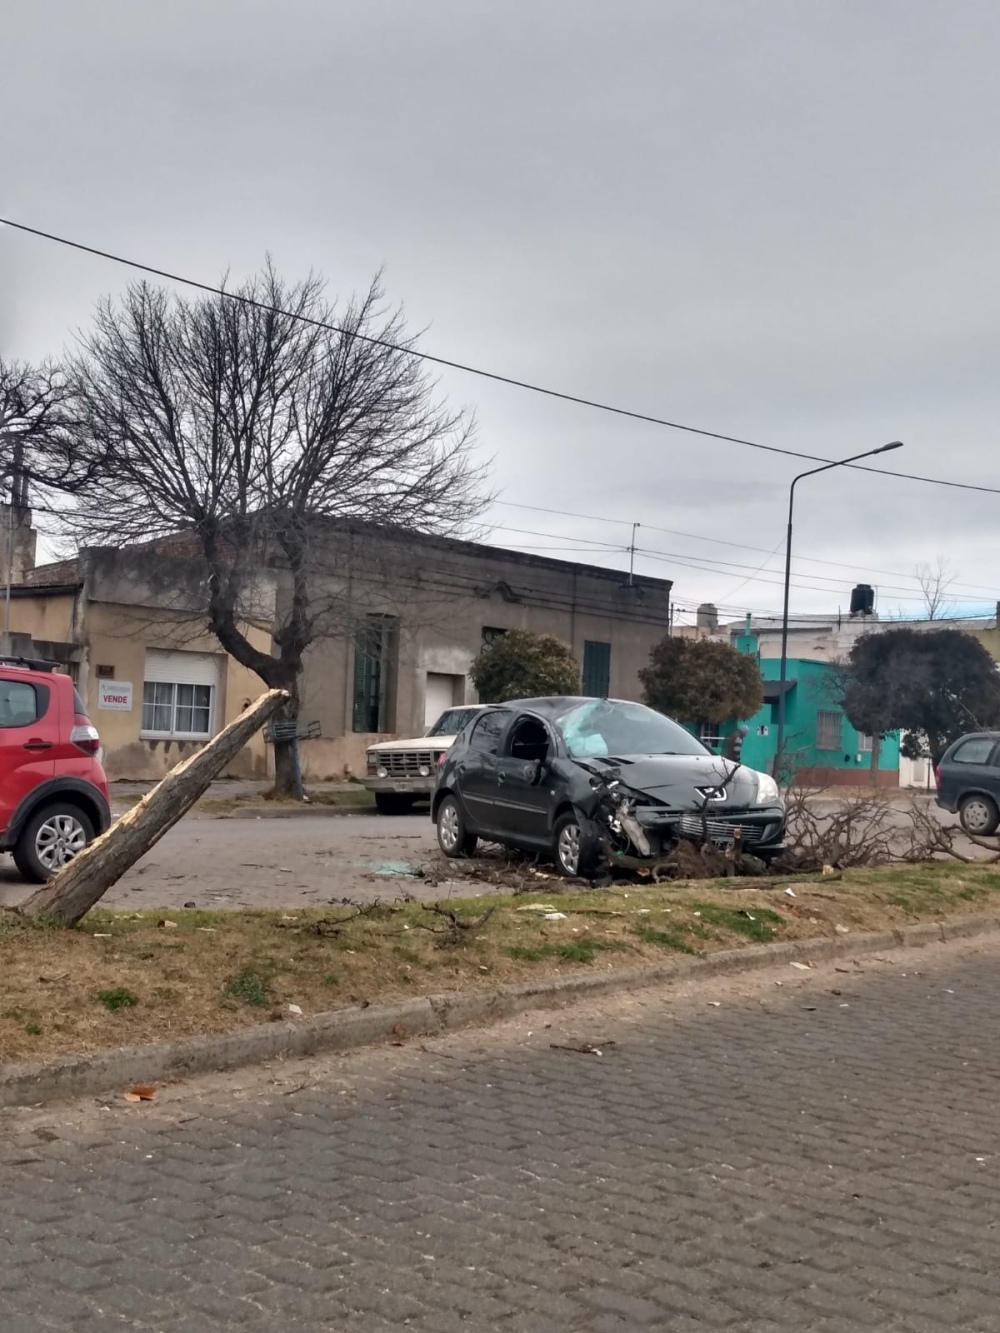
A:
{"x":584,"y":1048}
{"x":145,"y":1093}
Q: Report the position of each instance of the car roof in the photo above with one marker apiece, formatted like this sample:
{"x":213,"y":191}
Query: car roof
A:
{"x":556,"y":704}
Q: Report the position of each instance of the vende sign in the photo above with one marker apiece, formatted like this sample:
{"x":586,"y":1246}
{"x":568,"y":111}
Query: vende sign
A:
{"x":115,"y":694}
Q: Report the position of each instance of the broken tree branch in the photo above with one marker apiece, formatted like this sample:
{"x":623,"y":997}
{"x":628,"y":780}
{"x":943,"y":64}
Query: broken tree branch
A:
{"x":69,"y":895}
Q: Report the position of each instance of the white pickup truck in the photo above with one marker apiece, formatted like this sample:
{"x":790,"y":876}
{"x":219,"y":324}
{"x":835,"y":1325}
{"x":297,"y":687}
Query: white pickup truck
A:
{"x":400,"y":773}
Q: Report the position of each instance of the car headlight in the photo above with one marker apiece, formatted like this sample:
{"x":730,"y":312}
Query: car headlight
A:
{"x":383,"y":773}
{"x":767,"y":790}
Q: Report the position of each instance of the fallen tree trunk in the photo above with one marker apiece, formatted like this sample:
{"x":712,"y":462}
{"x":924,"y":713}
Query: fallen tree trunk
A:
{"x":70,"y":894}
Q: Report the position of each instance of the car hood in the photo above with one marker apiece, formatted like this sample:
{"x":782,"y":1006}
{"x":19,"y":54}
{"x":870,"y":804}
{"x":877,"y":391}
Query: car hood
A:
{"x":679,"y":780}
{"x":420,"y":743}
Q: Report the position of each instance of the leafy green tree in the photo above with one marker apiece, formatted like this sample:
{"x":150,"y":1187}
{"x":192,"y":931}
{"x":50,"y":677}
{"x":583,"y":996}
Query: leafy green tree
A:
{"x":518,"y":665}
{"x":932,"y":684}
{"x":701,"y":682}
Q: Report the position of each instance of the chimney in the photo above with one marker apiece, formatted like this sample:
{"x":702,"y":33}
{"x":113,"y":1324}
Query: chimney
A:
{"x":18,"y":539}
{"x":707,"y":617}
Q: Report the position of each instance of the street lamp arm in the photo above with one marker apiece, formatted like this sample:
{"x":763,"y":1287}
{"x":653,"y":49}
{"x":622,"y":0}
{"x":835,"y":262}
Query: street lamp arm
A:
{"x":779,"y":756}
{"x":840,"y":462}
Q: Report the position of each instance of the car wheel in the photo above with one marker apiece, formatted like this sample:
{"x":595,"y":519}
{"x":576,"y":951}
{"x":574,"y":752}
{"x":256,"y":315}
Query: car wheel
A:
{"x":50,"y":839}
{"x":454,"y":839}
{"x":567,"y":839}
{"x":392,"y":803}
{"x":979,"y":816}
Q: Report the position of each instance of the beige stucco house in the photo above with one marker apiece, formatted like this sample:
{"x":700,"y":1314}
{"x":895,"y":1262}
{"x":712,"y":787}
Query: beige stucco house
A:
{"x":402,"y":619}
{"x":156,"y":684}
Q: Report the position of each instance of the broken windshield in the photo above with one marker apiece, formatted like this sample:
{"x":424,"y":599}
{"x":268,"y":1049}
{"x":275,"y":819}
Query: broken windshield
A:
{"x":602,"y":728}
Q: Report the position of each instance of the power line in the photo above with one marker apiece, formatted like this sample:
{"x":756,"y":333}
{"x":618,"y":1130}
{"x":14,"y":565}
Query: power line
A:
{"x":476,"y":370}
{"x":712,"y":566}
{"x":742,"y":546}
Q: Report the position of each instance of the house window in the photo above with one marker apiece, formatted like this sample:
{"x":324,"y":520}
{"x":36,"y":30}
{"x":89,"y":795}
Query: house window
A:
{"x":865,"y":744}
{"x":375,"y":674}
{"x":176,"y":710}
{"x":179,"y":695}
{"x":596,"y":669}
{"x":829,"y":730}
{"x":710,"y":735}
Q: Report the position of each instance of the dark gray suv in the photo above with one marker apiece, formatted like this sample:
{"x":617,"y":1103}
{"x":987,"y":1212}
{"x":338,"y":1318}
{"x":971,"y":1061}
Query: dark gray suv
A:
{"x":968,"y":782}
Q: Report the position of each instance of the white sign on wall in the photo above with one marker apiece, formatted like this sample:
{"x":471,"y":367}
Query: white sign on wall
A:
{"x":115,"y":694}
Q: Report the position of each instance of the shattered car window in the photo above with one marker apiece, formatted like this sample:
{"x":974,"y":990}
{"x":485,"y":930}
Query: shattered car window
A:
{"x":601,"y":728}
{"x":453,"y":721}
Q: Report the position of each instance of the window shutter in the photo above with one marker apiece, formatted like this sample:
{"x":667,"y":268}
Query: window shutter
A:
{"x":596,"y":669}
{"x":180,"y":668}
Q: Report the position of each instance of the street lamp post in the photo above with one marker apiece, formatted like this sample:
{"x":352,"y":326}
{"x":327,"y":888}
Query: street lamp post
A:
{"x":779,"y":757}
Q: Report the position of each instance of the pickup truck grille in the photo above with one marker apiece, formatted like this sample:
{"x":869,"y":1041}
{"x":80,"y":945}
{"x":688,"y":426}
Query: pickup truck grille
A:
{"x":406,"y":763}
{"x":721,"y":830}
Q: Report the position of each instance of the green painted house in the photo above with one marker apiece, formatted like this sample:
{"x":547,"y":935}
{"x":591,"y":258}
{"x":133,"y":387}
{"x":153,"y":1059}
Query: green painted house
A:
{"x":820,"y":742}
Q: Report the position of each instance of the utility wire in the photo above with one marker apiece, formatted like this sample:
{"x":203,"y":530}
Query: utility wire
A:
{"x":475,"y":370}
{"x":742,"y":546}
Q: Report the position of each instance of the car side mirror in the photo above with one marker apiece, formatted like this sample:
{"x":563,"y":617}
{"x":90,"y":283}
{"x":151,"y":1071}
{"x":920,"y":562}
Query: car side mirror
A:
{"x":533,"y":772}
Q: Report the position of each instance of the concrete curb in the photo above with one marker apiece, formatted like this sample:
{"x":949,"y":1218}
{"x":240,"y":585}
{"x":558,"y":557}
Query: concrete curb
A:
{"x":288,"y":811}
{"x":344,"y":1030}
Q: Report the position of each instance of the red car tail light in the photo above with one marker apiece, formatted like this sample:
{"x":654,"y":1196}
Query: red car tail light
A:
{"x":84,"y":735}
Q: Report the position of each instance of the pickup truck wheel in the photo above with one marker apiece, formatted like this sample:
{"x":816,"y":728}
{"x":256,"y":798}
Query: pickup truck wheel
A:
{"x":979,"y":816}
{"x":454,"y":839}
{"x":393,"y":803}
{"x":51,"y":838}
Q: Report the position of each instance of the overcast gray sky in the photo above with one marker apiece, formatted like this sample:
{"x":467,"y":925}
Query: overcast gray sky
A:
{"x":778,"y":219}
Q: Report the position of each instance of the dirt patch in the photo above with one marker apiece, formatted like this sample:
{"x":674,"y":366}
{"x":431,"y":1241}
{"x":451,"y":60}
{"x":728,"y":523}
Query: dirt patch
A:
{"x":357,"y":799}
{"x":128,"y":977}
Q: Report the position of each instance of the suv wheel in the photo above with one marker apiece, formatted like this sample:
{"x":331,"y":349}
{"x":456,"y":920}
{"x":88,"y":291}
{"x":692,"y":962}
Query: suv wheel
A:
{"x":51,"y":838}
{"x":454,"y":839}
{"x":979,"y":816}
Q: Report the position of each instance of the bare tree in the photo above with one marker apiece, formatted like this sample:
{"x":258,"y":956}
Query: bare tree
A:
{"x":252,"y":423}
{"x":935,"y":583}
{"x":36,"y":414}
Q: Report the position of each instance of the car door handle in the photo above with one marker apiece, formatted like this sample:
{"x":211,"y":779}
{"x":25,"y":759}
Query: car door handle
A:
{"x":37,"y":745}
{"x":501,"y":776}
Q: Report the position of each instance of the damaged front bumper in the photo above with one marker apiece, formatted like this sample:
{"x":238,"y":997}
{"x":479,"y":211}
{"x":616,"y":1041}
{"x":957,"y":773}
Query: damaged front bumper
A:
{"x":636,"y":834}
{"x":761,"y":829}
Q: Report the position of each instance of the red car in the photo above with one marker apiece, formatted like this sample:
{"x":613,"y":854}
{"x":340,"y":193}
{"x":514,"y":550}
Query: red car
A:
{"x":53,"y":789}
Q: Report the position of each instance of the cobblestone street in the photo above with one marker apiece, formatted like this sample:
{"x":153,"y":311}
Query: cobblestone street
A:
{"x":816,"y":1155}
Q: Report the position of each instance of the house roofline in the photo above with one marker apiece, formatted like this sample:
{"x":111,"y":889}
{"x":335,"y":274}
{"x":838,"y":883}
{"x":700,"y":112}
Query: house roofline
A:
{"x":25,"y":590}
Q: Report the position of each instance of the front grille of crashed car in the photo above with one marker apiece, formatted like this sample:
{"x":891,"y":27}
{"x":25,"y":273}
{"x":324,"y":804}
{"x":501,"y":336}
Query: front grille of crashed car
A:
{"x":721,"y":830}
{"x":406,"y":763}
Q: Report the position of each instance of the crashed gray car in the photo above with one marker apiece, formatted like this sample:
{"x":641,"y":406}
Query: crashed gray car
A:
{"x":595,"y":781}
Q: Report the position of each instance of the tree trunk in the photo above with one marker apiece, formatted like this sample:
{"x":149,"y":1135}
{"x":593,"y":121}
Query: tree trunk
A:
{"x":70,"y":894}
{"x":876,"y":753}
{"x":287,"y":769}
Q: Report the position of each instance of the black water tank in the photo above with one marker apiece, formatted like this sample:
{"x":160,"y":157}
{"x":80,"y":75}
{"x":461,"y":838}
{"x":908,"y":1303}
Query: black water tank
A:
{"x":862,"y":600}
